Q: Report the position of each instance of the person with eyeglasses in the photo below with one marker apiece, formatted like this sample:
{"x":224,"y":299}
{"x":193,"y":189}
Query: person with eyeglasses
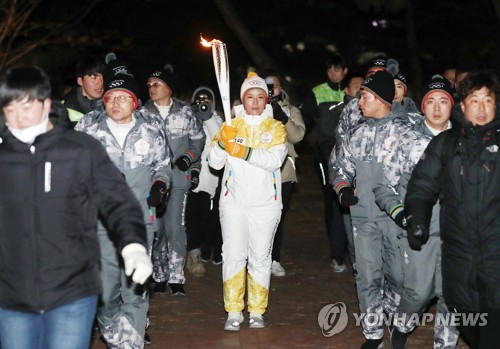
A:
{"x":136,"y":142}
{"x":186,"y":140}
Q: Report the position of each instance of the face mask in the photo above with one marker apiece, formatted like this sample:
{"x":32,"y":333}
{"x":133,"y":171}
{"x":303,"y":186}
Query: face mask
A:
{"x":28,"y":135}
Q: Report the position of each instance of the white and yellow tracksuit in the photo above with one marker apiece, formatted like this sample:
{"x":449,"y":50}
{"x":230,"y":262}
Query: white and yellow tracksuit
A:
{"x":250,"y":208}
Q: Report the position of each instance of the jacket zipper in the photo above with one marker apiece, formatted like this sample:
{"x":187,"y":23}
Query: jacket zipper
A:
{"x":39,"y":308}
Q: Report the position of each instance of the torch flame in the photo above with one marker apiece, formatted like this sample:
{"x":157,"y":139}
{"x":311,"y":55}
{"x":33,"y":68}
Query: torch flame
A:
{"x":205,"y":42}
{"x":209,"y":43}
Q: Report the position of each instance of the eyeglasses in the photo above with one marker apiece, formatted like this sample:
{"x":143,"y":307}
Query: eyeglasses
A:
{"x":154,"y":84}
{"x":120,"y":99}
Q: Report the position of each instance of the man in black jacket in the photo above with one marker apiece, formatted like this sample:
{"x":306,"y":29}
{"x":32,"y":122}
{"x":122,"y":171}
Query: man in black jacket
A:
{"x":84,"y":98}
{"x":54,"y":182}
{"x":461,"y":167}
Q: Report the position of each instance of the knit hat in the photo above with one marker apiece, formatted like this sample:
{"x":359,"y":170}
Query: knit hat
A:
{"x":393,"y":69}
{"x":123,"y":82}
{"x":438,"y":83}
{"x":378,"y":63}
{"x":166,"y":74}
{"x":113,"y":66}
{"x":381,"y":84}
{"x":252,"y":81}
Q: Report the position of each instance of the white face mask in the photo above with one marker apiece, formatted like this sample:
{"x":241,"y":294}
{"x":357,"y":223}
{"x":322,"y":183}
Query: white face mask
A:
{"x":28,"y":135}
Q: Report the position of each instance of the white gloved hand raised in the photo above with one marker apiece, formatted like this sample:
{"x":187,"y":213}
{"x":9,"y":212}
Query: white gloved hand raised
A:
{"x":137,"y":261}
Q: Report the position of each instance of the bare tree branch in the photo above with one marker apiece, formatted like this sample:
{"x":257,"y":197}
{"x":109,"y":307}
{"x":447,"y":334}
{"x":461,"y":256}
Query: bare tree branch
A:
{"x":19,"y":36}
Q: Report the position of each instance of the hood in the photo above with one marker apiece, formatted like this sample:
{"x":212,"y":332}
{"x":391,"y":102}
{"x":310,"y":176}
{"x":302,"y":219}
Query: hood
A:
{"x":210,"y":91}
{"x":458,"y":119}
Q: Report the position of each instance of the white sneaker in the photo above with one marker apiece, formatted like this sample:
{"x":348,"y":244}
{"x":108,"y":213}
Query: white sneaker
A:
{"x":338,"y":268}
{"x":234,"y":321}
{"x":194,"y":265}
{"x":256,"y":321}
{"x":277,"y":269}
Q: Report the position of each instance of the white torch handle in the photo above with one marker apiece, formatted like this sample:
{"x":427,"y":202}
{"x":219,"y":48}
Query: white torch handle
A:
{"x":222,"y":74}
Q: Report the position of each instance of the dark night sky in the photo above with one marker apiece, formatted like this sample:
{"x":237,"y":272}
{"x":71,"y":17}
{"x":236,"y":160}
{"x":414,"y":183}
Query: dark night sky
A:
{"x":448,"y":32}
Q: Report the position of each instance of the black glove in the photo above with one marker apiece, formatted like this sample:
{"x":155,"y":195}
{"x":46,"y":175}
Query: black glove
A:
{"x":278,"y":113}
{"x":347,"y":197}
{"x":202,"y":110}
{"x":418,"y":235}
{"x":195,"y":179}
{"x":156,"y":193}
{"x":400,"y":220}
{"x":183,"y":163}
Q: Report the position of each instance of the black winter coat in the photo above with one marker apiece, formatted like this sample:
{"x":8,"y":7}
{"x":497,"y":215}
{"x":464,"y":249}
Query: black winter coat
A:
{"x":462,"y":167}
{"x":50,"y":194}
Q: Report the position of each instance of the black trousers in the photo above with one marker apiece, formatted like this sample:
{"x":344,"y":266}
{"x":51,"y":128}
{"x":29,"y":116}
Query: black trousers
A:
{"x":203,"y":225}
{"x":334,"y":218}
{"x":483,"y":336}
{"x":286,"y":191}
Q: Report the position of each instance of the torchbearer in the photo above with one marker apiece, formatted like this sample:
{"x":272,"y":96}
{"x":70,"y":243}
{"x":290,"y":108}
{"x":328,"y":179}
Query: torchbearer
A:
{"x":251,"y":151}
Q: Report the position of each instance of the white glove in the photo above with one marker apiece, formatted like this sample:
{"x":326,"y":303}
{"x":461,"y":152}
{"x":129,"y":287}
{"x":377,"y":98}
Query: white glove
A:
{"x":137,"y":261}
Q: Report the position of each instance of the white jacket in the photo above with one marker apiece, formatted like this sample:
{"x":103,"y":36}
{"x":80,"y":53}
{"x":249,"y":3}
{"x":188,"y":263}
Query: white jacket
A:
{"x":255,"y":182}
{"x":208,"y":180}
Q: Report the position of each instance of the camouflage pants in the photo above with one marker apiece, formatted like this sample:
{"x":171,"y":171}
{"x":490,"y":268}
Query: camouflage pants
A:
{"x":122,"y":311}
{"x":379,"y":281}
{"x":169,"y":250}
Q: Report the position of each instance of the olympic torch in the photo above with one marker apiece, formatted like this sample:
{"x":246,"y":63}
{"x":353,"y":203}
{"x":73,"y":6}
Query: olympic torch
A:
{"x":221,"y":66}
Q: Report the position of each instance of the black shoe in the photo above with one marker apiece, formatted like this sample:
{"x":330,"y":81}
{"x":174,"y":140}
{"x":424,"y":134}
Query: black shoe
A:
{"x":399,"y":340}
{"x":147,"y":339}
{"x":160,"y":287}
{"x":177,"y":289}
{"x":217,"y":260}
{"x":372,"y":343}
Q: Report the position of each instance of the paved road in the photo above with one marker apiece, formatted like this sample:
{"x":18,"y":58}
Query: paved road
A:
{"x":197,"y":320}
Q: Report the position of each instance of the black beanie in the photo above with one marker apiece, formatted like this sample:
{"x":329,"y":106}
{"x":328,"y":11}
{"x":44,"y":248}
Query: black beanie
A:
{"x":381,"y":84}
{"x":114,"y":66}
{"x":438,"y":83}
{"x":117,"y":76}
{"x":166,"y":74}
{"x":379,"y":61}
{"x":125,"y":83}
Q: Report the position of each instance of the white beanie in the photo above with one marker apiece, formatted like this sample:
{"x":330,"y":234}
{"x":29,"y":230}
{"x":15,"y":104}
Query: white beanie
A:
{"x":252,"y":81}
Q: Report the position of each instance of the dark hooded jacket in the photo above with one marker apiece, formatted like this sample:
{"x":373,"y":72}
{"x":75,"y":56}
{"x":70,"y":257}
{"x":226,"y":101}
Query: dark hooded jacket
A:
{"x":461,"y":167}
{"x":51,"y":193}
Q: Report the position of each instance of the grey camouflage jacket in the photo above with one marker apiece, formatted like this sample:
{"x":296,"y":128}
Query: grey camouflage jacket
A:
{"x":144,"y":157}
{"x":359,"y":162}
{"x":185,"y":136}
{"x":390,"y":191}
{"x":351,"y":115}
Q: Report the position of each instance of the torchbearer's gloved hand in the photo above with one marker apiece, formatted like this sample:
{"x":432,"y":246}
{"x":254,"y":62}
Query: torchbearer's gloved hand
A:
{"x":227,"y":134}
{"x":156,"y":193}
{"x":347,"y":197}
{"x":184,"y":162}
{"x":418,"y":234}
{"x":239,"y":151}
{"x":195,"y":178}
{"x":278,"y":113}
{"x":137,"y":262}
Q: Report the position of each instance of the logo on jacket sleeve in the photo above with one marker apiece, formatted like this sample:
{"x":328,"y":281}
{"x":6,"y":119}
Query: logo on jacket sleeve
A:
{"x":266,"y":138}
